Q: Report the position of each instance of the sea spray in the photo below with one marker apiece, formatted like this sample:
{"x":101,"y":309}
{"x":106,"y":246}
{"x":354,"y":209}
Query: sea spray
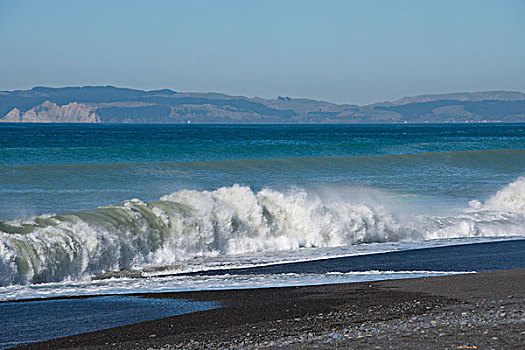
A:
{"x":510,"y":199}
{"x":228,"y":221}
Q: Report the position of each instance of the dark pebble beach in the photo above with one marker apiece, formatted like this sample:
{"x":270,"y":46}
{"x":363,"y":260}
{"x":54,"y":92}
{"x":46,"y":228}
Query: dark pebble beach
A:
{"x":472,"y":311}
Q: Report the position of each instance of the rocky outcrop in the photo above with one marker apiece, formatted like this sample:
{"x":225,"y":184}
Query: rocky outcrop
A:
{"x":12,"y":117}
{"x":49,"y":112}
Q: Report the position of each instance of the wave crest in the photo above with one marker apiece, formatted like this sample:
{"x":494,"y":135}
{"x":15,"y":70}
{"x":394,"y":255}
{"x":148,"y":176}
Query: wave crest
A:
{"x":511,"y":199}
{"x":227,"y":221}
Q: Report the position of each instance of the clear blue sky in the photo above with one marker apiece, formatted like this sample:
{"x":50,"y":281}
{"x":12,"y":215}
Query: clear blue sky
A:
{"x":340,"y":51}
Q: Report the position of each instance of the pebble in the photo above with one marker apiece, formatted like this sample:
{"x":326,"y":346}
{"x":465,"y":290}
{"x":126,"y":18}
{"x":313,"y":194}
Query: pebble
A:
{"x":343,"y":329}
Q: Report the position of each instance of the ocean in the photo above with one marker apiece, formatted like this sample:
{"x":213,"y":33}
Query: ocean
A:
{"x":117,"y":209}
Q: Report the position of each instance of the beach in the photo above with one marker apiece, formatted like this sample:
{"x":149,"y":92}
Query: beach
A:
{"x":482,"y":310}
{"x":121,"y":236}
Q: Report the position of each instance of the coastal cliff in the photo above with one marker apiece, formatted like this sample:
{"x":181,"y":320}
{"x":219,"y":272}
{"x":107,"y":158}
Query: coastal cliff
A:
{"x":49,"y":112}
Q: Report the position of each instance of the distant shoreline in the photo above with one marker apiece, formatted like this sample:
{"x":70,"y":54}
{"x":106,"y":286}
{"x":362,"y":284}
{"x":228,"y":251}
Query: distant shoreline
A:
{"x":475,"y":310}
{"x":109,"y":104}
{"x":267,"y":124}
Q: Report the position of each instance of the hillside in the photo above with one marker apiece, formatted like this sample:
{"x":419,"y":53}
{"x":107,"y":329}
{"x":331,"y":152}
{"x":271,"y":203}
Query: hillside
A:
{"x":108,"y":104}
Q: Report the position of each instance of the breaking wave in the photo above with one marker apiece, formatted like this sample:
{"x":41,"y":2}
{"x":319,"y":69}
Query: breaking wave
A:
{"x":227,"y":221}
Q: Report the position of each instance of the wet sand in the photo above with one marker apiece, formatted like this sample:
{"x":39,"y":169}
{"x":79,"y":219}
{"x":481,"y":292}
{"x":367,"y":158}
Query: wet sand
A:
{"x":484,"y":310}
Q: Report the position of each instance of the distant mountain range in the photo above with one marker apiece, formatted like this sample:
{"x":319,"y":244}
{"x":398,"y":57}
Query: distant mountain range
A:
{"x":109,"y":104}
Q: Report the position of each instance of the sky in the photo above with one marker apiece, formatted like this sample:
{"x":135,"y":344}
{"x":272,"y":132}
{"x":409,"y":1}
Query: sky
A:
{"x":354,"y":52}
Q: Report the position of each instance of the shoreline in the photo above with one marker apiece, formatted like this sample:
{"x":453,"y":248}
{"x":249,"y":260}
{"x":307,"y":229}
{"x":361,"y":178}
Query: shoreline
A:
{"x":482,"y":310}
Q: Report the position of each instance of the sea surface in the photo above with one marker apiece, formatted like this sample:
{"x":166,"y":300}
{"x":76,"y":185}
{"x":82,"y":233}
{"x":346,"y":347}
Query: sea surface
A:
{"x":39,"y":320}
{"x":92,"y":209}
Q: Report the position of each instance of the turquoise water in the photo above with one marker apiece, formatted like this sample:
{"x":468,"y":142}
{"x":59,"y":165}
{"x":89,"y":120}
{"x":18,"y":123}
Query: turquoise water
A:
{"x":78,"y":201}
{"x":63,"y":168}
{"x":23,"y":144}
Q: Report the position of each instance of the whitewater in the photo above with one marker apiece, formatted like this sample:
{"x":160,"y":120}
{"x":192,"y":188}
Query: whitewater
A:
{"x":226,"y":222}
{"x":246,"y":212}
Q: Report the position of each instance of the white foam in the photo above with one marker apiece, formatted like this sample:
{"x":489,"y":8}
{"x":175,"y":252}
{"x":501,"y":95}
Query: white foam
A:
{"x":510,"y":199}
{"x":221,"y":225}
{"x":193,"y":283}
